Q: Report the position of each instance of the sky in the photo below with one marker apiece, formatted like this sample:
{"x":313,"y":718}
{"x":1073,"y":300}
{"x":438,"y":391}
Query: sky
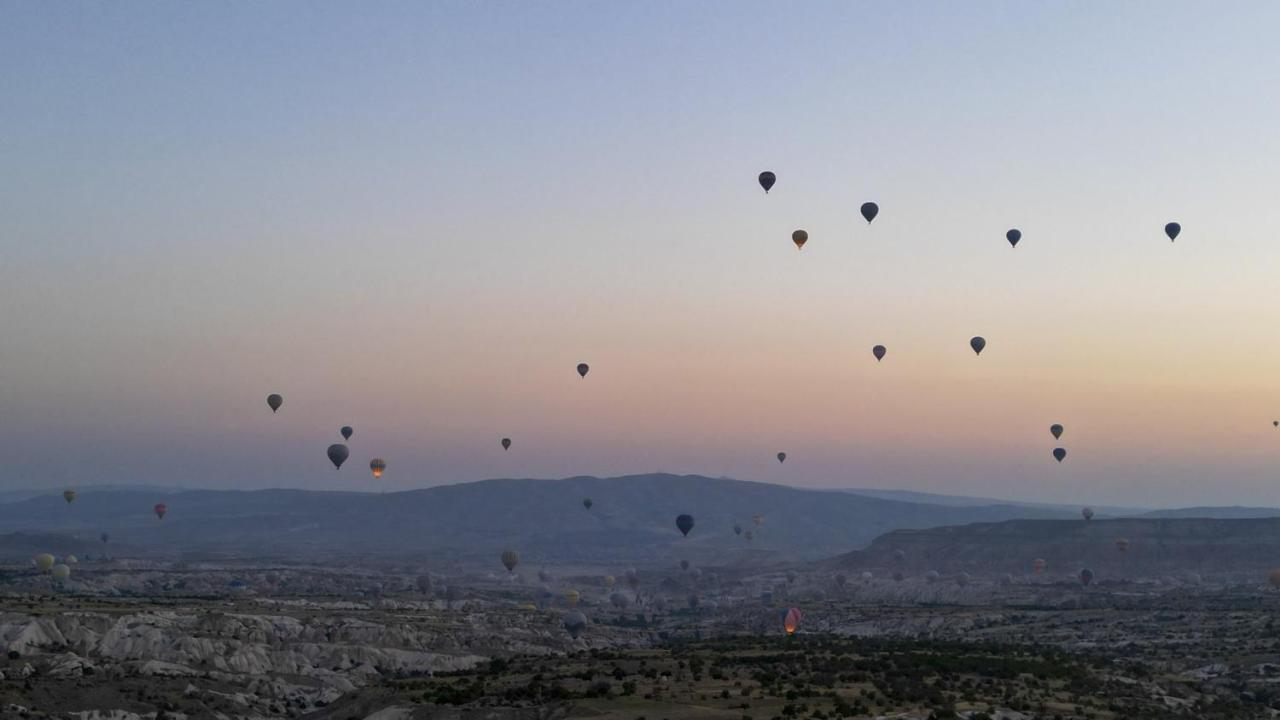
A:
{"x":418,"y":218}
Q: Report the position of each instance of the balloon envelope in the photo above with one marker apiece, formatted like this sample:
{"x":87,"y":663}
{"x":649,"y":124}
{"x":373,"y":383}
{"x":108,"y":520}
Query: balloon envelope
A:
{"x":869,"y":211}
{"x":506,"y":443}
{"x":346,"y":432}
{"x":60,"y":572}
{"x":799,"y":237}
{"x":583,"y":369}
{"x":68,"y":495}
{"x":160,"y":510}
{"x":977,"y":343}
{"x":575,"y":622}
{"x":1086,"y":577}
{"x":791,"y":620}
{"x":1013,"y":236}
{"x":767,"y":179}
{"x":338,"y":454}
{"x":1038,"y":565}
{"x":377,"y":466}
{"x":684,"y":523}
{"x":1059,"y":454}
{"x":879,"y":352}
{"x":274,"y":401}
{"x":586,"y":503}
{"x":1087,"y":513}
{"x":782,"y":457}
{"x":1172,"y":230}
{"x":44,"y":561}
{"x":510,"y":558}
{"x":1055,"y":430}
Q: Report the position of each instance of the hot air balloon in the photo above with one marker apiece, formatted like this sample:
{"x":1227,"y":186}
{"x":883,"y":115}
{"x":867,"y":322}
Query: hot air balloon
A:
{"x":685,"y":524}
{"x":1059,"y":454}
{"x":791,"y":620}
{"x":749,"y":535}
{"x":799,"y":237}
{"x":60,"y":572}
{"x":44,"y":561}
{"x":572,"y":597}
{"x":160,"y":510}
{"x":608,"y":582}
{"x":1055,"y":430}
{"x":338,"y":454}
{"x":586,"y":503}
{"x":1274,"y":578}
{"x":977,"y":342}
{"x":68,"y":495}
{"x":737,"y":529}
{"x":1086,"y":577}
{"x":869,"y":211}
{"x":684,"y":564}
{"x":71,"y":560}
{"x":758,"y":519}
{"x":1038,"y":566}
{"x":575,"y":623}
{"x":274,"y":401}
{"x":104,"y":537}
{"x":767,"y":179}
{"x":1122,"y":544}
{"x":899,"y":556}
{"x":1087,"y":513}
{"x":506,"y":443}
{"x":879,"y":352}
{"x":1013,"y":236}
{"x":782,"y":457}
{"x":377,"y":466}
{"x":962,"y":579}
{"x":1172,"y":229}
{"x":583,"y":369}
{"x":346,"y":432}
{"x":1275,"y":423}
{"x":510,"y":558}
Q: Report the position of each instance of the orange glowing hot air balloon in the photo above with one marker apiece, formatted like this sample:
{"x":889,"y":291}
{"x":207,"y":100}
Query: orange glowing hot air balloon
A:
{"x":791,"y":621}
{"x":377,"y":466}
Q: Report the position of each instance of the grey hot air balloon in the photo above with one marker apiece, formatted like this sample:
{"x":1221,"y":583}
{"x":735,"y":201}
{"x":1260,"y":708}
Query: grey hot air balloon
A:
{"x":575,"y":622}
{"x":510,"y":558}
{"x":506,"y":443}
{"x":1055,"y":430}
{"x":869,"y":211}
{"x":1013,"y":236}
{"x":684,"y":523}
{"x":583,"y":369}
{"x":767,"y":179}
{"x":274,"y":401}
{"x":977,"y":342}
{"x":782,"y":457}
{"x":684,"y":564}
{"x":338,"y":454}
{"x":586,"y":503}
{"x":1172,"y":229}
{"x":799,"y":237}
{"x":346,"y":432}
{"x":1086,"y":577}
{"x":1059,"y":454}
{"x":879,"y":352}
{"x":1087,"y":513}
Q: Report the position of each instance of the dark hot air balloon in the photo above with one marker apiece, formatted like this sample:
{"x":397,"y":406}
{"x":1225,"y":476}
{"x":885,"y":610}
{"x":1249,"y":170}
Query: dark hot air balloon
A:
{"x":799,"y":237}
{"x":160,"y":510}
{"x":685,"y":524}
{"x":346,"y":432}
{"x":506,"y":443}
{"x":767,"y":179}
{"x":1172,"y":229}
{"x":1013,"y":236}
{"x":583,"y":369}
{"x":68,"y":495}
{"x":1122,"y":544}
{"x":869,"y":211}
{"x":510,"y":559}
{"x":977,"y":342}
{"x":737,"y":529}
{"x":586,"y":503}
{"x":575,"y":622}
{"x":1086,"y":577}
{"x":1055,"y":430}
{"x":274,"y":401}
{"x":338,"y":454}
{"x":1059,"y":454}
{"x":1087,"y":513}
{"x":879,"y":352}
{"x":782,"y":457}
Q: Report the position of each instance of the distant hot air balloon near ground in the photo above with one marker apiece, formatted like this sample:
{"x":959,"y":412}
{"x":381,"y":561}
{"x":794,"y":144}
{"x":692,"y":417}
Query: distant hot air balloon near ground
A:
{"x":767,"y":179}
{"x":506,"y":443}
{"x":274,"y":401}
{"x":749,"y":535}
{"x":583,"y":369}
{"x":1038,"y":566}
{"x":737,"y":529}
{"x":60,"y":572}
{"x":338,"y":454}
{"x":346,"y":432}
{"x":977,"y":342}
{"x":791,"y":620}
{"x":782,"y":457}
{"x":869,"y":211}
{"x":899,"y":556}
{"x":44,"y":561}
{"x":758,"y":519}
{"x":1122,"y":544}
{"x":685,"y":524}
{"x":71,"y":560}
{"x":575,"y":623}
{"x":104,"y":537}
{"x":572,"y":597}
{"x":684,"y":564}
{"x":799,"y":237}
{"x":586,"y":503}
{"x":160,"y":510}
{"x":1087,"y":513}
{"x":879,"y":352}
{"x":510,"y":558}
{"x":68,"y":495}
{"x":608,"y":582}
{"x":377,"y":466}
{"x":1172,"y":230}
{"x":1056,"y":431}
{"x":1086,"y":577}
{"x":1013,"y":236}
{"x":962,"y":579}
{"x":1059,"y":454}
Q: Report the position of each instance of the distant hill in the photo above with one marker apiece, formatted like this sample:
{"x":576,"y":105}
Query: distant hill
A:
{"x":1156,"y":547}
{"x":1225,"y":513}
{"x":632,"y":520}
{"x":970,"y":501}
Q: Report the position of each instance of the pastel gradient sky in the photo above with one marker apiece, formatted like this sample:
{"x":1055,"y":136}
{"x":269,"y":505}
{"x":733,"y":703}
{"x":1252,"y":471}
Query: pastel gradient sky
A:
{"x":417,"y":218}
